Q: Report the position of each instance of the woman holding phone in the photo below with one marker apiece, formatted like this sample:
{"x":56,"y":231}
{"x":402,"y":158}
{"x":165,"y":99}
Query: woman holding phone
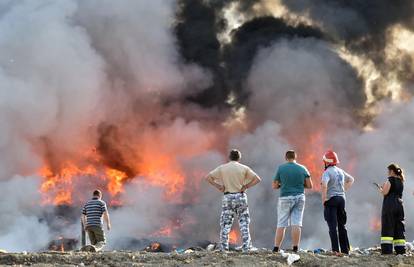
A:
{"x":392,"y":217}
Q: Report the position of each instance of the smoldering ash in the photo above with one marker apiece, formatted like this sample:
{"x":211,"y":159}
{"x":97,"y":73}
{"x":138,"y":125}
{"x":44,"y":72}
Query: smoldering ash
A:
{"x":142,"y":98}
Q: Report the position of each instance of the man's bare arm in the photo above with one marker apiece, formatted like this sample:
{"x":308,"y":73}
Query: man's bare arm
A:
{"x":211,"y":181}
{"x":107,"y":220}
{"x":254,"y":182}
{"x":276,"y":185}
{"x":308,"y":183}
{"x":324,"y":189}
{"x":349,"y":181}
{"x":83,"y":220}
{"x":348,"y":184}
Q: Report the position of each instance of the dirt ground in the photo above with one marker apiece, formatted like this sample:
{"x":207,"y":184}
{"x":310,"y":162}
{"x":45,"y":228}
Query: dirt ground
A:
{"x":204,"y":258}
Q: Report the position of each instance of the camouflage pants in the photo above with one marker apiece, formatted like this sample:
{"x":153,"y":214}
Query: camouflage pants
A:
{"x":232,"y":205}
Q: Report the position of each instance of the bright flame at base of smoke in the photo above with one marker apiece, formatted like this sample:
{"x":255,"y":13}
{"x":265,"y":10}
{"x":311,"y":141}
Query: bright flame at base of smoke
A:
{"x":59,"y":187}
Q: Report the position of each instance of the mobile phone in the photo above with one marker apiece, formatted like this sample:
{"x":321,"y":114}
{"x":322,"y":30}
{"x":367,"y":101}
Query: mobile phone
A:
{"x":377,"y":185}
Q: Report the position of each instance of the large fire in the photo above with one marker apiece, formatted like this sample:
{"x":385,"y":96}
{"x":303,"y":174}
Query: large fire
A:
{"x":60,"y":184}
{"x":59,"y":187}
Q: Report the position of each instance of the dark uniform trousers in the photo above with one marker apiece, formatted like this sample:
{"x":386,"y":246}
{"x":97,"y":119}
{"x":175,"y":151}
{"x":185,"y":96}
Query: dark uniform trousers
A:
{"x":393,"y":228}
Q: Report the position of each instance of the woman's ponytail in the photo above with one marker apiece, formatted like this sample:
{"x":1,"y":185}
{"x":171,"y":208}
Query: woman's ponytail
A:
{"x":397,"y":170}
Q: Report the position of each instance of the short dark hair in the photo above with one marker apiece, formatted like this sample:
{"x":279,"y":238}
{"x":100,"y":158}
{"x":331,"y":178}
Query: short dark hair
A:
{"x":235,"y":155}
{"x":290,"y":154}
{"x":97,"y":193}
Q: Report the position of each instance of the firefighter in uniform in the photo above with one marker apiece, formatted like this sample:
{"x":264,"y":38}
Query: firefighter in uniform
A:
{"x":392,"y":217}
{"x":233,"y":179}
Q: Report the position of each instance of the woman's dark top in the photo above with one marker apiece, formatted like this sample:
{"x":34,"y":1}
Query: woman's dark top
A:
{"x":393,"y":200}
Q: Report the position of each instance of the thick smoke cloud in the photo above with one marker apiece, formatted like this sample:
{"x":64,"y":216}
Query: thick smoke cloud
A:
{"x":20,"y":215}
{"x":283,"y":73}
{"x":364,"y":28}
{"x":51,"y":79}
{"x":197,"y":31}
{"x":141,"y":58}
{"x":151,"y":82}
{"x":350,"y":21}
{"x":62,"y":77}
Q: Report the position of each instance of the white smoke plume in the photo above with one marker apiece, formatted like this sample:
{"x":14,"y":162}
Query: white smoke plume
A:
{"x":22,"y":228}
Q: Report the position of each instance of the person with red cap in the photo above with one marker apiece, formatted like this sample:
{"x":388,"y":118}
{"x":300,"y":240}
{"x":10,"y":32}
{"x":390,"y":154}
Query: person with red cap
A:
{"x":335,"y":182}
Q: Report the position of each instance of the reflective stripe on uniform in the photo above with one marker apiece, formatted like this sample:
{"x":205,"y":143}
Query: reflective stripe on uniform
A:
{"x":387,"y":240}
{"x":399,"y":242}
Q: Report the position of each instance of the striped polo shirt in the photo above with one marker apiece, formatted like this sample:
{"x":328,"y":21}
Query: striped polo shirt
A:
{"x":94,"y":209}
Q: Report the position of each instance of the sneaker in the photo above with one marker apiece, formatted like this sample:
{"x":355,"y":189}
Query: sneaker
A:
{"x":339,"y":254}
{"x":88,"y":248}
{"x":251,"y":249}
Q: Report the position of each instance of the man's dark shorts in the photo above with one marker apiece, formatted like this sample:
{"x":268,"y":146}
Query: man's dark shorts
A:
{"x":96,"y":234}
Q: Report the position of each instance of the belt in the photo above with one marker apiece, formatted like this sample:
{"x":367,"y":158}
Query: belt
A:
{"x":228,"y":193}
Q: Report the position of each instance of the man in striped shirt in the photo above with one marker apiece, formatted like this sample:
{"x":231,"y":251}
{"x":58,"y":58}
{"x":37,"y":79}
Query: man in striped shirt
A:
{"x":93,"y":214}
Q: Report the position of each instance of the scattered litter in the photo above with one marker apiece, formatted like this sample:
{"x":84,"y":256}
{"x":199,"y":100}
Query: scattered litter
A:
{"x":319,"y":251}
{"x":361,"y":251}
{"x":197,"y":248}
{"x":211,"y":247}
{"x":290,"y":257}
{"x":409,"y":246}
{"x":180,"y":250}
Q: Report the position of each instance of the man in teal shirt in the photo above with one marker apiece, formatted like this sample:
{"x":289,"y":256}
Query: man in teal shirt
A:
{"x":292,"y":179}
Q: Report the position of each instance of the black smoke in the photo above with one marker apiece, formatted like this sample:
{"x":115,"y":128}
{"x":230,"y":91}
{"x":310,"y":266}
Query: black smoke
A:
{"x":200,"y":23}
{"x":363,"y":27}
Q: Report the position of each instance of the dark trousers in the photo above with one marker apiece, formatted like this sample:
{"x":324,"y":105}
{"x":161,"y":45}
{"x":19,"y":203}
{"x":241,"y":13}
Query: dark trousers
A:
{"x":335,"y":216}
{"x":393,"y":229}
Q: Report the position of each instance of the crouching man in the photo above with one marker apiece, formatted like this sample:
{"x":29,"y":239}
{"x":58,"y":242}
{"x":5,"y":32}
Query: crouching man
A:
{"x":233,"y":179}
{"x":93,"y":214}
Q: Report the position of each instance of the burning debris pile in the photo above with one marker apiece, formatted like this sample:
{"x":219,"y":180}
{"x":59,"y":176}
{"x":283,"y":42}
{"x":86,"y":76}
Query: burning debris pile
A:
{"x":63,"y":244}
{"x":145,"y":111}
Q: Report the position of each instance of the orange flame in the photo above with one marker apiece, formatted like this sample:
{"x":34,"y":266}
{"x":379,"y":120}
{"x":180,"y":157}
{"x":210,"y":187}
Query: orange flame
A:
{"x":57,"y":188}
{"x":168,"y":230}
{"x":62,"y":246}
{"x":234,"y":237}
{"x":158,"y":169}
{"x":311,"y":157}
{"x":375,"y":224}
{"x":164,"y":232}
{"x":58,"y":184}
{"x":116,"y":179}
{"x":163,"y":171}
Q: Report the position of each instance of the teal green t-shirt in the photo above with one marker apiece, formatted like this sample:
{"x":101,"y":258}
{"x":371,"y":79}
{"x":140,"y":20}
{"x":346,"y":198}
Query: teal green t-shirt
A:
{"x":291,"y":177}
